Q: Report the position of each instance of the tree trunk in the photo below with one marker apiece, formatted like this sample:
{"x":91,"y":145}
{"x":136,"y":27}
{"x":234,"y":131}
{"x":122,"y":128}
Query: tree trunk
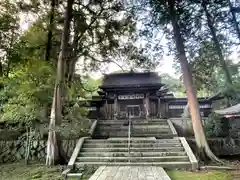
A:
{"x":185,"y":113}
{"x":217,"y":44}
{"x":234,"y":19}
{"x":1,"y":69}
{"x":50,"y":31}
{"x":28,"y":144}
{"x":199,"y":133}
{"x":53,"y":148}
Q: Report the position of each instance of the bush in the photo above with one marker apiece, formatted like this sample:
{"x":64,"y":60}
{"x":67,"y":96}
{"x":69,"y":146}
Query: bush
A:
{"x":215,"y":126}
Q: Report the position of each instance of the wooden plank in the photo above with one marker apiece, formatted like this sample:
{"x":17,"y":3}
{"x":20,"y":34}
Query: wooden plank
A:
{"x":130,"y":173}
{"x":97,"y":173}
{"x":125,"y":174}
{"x":119,"y":173}
{"x":105,"y":173}
{"x":76,"y":152}
{"x":163,"y":174}
{"x":156,"y":173}
{"x":148,"y":171}
{"x":133,"y":173}
{"x":99,"y":170}
{"x":141,"y":173}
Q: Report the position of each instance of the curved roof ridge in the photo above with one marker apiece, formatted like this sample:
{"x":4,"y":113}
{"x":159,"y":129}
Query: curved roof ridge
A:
{"x":132,"y":79}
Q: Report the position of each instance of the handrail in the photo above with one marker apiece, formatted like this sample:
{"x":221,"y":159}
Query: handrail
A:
{"x":188,"y":150}
{"x":92,"y":128}
{"x":76,"y":152}
{"x":129,"y":137}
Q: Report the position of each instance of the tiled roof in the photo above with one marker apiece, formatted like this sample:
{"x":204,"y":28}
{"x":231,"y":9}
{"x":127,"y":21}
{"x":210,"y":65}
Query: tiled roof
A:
{"x":230,"y":110}
{"x":131,"y":79}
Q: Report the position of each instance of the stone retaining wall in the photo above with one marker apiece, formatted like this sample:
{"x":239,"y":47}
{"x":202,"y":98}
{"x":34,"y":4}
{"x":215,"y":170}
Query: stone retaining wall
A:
{"x":220,"y":146}
{"x":15,"y":150}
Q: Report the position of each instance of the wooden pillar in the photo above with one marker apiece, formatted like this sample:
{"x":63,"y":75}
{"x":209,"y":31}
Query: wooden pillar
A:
{"x":167,"y":110}
{"x":147,"y":105}
{"x":159,"y":108}
{"x":106,"y":110}
{"x":115,"y":106}
{"x":98,"y":113}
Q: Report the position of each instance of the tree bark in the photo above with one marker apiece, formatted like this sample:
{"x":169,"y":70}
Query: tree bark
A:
{"x":199,"y":133}
{"x":50,"y":31}
{"x":53,"y":145}
{"x":185,"y":113}
{"x":217,"y":44}
{"x":234,"y":19}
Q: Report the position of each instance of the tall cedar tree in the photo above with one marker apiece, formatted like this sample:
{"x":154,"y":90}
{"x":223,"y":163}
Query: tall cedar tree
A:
{"x":173,"y":13}
{"x":201,"y":141}
{"x":50,"y":30}
{"x":53,"y":143}
{"x":234,"y":18}
{"x":213,"y":30}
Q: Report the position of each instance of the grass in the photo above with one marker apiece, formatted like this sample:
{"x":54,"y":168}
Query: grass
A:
{"x":19,"y":171}
{"x":201,"y":175}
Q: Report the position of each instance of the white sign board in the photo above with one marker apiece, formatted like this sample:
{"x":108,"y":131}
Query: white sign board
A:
{"x":131,"y":96}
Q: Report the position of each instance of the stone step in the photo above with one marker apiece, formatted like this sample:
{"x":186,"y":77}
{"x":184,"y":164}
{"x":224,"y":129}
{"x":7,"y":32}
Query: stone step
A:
{"x":134,"y":129}
{"x":133,"y":140}
{"x":135,"y":125}
{"x":133,"y":154}
{"x":132,"y":132}
{"x":133,"y":122}
{"x":74,"y":175}
{"x":153,"y":145}
{"x":133,"y":159}
{"x":115,"y":134}
{"x":170,"y":164}
{"x":158,"y":149}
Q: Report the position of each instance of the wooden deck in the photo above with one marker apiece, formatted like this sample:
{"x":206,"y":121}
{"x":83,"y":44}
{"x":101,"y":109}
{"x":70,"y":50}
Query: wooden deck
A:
{"x":130,"y":173}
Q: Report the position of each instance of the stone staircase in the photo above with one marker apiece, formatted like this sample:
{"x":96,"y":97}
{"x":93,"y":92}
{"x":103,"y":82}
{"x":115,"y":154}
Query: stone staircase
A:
{"x":157,"y":128}
{"x":143,"y":151}
{"x":153,"y":142}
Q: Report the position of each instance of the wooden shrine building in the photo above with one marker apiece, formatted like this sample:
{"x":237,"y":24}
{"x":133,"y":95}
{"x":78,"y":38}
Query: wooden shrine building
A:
{"x":138,"y":95}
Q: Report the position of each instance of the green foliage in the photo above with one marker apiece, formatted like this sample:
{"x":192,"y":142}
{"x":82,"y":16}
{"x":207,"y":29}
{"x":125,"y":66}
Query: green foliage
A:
{"x":217,"y":126}
{"x":27,"y":92}
{"x":76,"y":122}
{"x":174,"y":85}
{"x":91,"y":85}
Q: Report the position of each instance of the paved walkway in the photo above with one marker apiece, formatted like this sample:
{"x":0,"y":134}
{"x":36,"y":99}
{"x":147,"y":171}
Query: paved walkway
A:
{"x":130,"y":173}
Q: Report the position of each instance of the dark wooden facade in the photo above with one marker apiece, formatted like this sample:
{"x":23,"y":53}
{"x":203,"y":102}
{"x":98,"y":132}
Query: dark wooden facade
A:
{"x":139,"y":95}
